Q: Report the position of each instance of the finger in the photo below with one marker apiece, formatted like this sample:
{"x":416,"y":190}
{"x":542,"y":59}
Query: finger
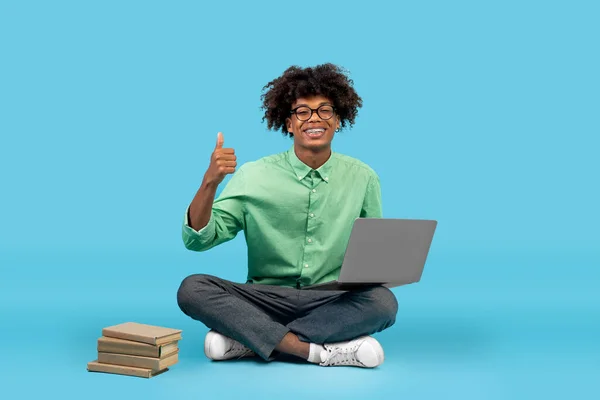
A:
{"x":227,"y":150}
{"x":220,"y":140}
{"x":227,"y":163}
{"x":225,"y":156}
{"x":227,"y":170}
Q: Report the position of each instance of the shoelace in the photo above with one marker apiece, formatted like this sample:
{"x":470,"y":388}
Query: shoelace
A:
{"x":337,"y":355}
{"x":239,"y":350}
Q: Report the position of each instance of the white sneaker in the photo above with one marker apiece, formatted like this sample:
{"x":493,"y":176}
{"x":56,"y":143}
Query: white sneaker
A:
{"x":363,"y":352}
{"x":220,"y":347}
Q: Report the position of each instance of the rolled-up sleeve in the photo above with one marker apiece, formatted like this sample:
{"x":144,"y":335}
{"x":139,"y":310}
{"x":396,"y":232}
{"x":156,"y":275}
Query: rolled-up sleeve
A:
{"x":226,"y":220}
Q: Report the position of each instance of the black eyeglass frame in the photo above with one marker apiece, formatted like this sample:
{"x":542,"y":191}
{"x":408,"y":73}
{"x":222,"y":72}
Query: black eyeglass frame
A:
{"x":313,"y":110}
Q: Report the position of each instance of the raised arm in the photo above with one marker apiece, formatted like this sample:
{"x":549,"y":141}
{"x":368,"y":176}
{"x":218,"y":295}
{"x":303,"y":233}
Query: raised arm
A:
{"x":209,"y":221}
{"x":222,"y":163}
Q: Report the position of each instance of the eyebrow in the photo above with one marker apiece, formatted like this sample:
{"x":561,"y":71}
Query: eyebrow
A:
{"x":320,"y":104}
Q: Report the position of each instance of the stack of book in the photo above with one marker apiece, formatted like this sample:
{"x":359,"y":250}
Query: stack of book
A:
{"x":136,"y":349}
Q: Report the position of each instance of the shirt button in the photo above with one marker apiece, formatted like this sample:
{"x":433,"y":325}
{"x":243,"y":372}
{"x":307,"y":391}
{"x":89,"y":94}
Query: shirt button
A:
{"x":326,"y":178}
{"x":314,"y":191}
{"x":312,"y":215}
{"x":299,"y":177}
{"x":309,"y":240}
{"x":305,"y":265}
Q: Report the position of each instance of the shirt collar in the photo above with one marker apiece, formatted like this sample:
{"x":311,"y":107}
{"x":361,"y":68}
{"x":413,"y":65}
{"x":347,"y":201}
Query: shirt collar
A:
{"x":301,"y":169}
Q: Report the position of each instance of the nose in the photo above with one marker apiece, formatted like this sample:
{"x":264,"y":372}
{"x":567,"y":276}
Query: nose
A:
{"x":314,"y":117}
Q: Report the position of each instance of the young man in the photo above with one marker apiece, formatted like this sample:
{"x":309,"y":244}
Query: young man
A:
{"x":296,"y":209}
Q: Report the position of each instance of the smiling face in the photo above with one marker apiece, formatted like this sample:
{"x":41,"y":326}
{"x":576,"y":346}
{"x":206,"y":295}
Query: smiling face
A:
{"x":316,"y":132}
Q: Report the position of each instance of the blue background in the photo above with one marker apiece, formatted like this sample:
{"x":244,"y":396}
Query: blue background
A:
{"x":482,"y":115}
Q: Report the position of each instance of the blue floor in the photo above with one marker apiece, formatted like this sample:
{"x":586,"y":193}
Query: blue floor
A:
{"x":477,"y":327}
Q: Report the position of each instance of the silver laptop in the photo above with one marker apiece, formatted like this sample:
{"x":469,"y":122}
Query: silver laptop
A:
{"x":383,"y":251}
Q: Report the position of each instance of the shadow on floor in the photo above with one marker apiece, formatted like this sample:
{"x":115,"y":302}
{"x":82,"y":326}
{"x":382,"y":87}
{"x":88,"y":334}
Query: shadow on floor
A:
{"x":452,"y":337}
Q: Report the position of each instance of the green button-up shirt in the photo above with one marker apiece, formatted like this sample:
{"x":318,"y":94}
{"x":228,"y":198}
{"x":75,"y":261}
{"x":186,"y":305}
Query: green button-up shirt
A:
{"x":296,"y":220}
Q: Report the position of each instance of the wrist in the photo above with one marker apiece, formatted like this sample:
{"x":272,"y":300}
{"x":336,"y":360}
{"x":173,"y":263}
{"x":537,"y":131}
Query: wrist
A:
{"x":209,"y":184}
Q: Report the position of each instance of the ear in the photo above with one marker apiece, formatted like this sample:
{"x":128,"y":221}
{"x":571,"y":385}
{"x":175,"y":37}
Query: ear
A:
{"x":338,"y":122}
{"x":288,"y":123}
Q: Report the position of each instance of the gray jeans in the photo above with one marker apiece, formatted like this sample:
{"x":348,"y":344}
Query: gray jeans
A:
{"x":259,"y":316}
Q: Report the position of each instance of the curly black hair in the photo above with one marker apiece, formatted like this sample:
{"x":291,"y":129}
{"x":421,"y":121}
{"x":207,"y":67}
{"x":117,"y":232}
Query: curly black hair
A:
{"x":327,"y":80}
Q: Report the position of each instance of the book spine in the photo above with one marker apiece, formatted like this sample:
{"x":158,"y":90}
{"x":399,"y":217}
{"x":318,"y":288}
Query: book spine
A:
{"x":130,"y":361}
{"x":129,"y":336}
{"x":119,"y":369}
{"x":107,"y":347}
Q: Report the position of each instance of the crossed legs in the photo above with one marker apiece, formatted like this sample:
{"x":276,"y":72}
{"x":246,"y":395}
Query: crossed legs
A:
{"x":269,"y":318}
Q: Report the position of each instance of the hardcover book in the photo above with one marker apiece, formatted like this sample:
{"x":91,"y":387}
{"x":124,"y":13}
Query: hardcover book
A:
{"x":155,"y":364}
{"x":113,"y":345}
{"x":150,"y":334}
{"x":95,"y":366}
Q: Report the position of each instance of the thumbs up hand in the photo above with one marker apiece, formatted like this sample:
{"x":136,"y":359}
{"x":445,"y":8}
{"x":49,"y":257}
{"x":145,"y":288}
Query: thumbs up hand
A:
{"x":222,"y":163}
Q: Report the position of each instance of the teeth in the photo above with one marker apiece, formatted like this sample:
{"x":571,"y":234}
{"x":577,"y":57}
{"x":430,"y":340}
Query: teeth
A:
{"x":313,"y":131}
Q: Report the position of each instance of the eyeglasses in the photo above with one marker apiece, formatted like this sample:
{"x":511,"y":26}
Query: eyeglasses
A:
{"x":304,"y":113}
